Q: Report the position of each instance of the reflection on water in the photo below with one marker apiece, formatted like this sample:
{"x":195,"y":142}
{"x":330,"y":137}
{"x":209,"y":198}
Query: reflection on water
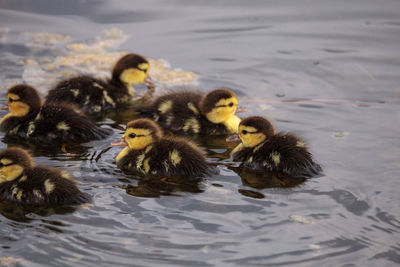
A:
{"x":327,"y":71}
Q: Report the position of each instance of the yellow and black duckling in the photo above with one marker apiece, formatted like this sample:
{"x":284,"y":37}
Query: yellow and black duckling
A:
{"x":262,"y":149}
{"x":94,"y":95}
{"x":21,"y":181}
{"x":149,"y":153}
{"x":54,"y":122}
{"x":193,"y":112}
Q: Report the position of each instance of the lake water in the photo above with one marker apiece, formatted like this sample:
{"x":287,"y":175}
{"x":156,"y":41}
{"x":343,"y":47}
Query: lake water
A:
{"x":326,"y":70}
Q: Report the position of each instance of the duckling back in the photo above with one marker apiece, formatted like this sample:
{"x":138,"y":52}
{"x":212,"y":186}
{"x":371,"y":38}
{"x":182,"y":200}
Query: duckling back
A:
{"x":64,"y":123}
{"x":168,"y":157}
{"x":180,"y":112}
{"x":284,"y":153}
{"x":90,"y":94}
{"x":44,"y":186}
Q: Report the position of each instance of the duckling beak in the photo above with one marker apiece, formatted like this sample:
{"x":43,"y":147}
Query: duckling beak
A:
{"x":241,"y":109}
{"x":233,"y":138}
{"x":4,"y":108}
{"x":149,"y":81}
{"x":120,"y":142}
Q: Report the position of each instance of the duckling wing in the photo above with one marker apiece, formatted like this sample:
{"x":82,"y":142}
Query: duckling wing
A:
{"x":63,"y":123}
{"x":90,"y":94}
{"x":288,"y":154}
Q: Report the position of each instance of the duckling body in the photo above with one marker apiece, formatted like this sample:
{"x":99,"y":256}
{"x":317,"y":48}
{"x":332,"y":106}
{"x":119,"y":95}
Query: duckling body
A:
{"x":94,"y":95}
{"x":21,"y":181}
{"x":193,"y":112}
{"x":263,"y":150}
{"x":148,"y":153}
{"x":53,"y":122}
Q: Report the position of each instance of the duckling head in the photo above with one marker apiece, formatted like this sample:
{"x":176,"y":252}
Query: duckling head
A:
{"x":131,"y":69}
{"x":13,"y":162}
{"x":219,"y":106}
{"x":255,"y":130}
{"x":22,"y":101}
{"x":141,"y":133}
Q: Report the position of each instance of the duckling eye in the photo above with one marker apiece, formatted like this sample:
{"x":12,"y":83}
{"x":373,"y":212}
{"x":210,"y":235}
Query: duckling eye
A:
{"x":1,"y":165}
{"x":10,"y":100}
{"x":244,"y":132}
{"x":230,"y":104}
{"x":132,"y":135}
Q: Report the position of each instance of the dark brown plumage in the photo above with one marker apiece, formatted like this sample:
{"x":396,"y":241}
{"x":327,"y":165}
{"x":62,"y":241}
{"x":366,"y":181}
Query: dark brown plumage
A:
{"x":94,"y":95}
{"x":283,"y":153}
{"x":21,"y":181}
{"x":160,"y":156}
{"x":54,"y":122}
{"x":186,"y":111}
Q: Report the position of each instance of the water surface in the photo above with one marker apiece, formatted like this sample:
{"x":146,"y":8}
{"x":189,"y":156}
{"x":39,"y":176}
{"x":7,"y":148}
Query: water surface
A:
{"x":328,"y":71}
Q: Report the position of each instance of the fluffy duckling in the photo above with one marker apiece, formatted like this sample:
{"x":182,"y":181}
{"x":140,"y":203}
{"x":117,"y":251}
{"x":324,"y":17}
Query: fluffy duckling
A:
{"x":261,"y":149}
{"x":192,"y":112}
{"x":60,"y":122}
{"x":21,"y":181}
{"x":93,"y":95}
{"x":149,"y":153}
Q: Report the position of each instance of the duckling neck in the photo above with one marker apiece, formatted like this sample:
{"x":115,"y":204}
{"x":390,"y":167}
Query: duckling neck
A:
{"x":10,"y":122}
{"x":232,"y":124}
{"x":127,"y":88}
{"x":122,"y":154}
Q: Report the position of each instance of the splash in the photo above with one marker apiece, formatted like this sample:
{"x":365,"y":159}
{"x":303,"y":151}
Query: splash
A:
{"x":68,"y":58}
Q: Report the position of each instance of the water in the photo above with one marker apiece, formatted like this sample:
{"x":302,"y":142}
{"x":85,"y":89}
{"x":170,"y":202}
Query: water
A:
{"x":326,"y":70}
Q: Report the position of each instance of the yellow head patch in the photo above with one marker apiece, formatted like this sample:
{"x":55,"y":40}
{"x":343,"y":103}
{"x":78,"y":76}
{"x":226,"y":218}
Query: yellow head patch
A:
{"x":250,"y":136}
{"x":16,"y":107}
{"x":9,"y":171}
{"x":135,"y":75}
{"x":138,"y":138}
{"x":223,"y":110}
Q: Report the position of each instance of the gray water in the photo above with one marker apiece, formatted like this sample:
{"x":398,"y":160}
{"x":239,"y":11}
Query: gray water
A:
{"x":325,"y":70}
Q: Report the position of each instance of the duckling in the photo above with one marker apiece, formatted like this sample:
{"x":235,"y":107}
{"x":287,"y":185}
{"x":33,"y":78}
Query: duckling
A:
{"x":192,"y":112}
{"x":94,"y":95}
{"x":149,"y":153}
{"x":23,"y":182}
{"x":263,"y":150}
{"x":54,"y":122}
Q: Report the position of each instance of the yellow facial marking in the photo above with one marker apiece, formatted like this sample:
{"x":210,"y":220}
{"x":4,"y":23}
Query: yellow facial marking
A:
{"x":192,"y":108}
{"x":108,"y":99}
{"x":250,"y":160}
{"x":146,"y":165}
{"x":276,"y":158}
{"x":6,"y":161}
{"x":122,"y":154}
{"x":249,"y":136}
{"x":165,"y":106}
{"x":10,"y":173}
{"x":22,"y":179}
{"x":175,"y":157}
{"x":75,"y":92}
{"x":38,"y":194}
{"x":144,"y":66}
{"x":48,"y":186}
{"x":38,"y":117}
{"x":16,"y":107}
{"x":133,"y":76}
{"x":300,"y":144}
{"x":191,"y":124}
{"x":63,"y":126}
{"x":141,"y":139}
{"x":224,"y":112}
